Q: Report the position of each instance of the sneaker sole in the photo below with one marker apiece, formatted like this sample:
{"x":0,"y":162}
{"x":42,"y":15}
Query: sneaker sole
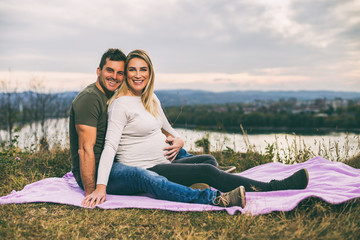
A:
{"x":307,"y":177}
{"x":230,"y":170}
{"x":199,"y":186}
{"x":243,"y":196}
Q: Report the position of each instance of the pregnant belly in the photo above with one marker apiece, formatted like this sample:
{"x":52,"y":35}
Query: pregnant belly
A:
{"x":149,"y":150}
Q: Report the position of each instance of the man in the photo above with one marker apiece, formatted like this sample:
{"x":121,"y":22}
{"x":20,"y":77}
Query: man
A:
{"x":88,"y":120}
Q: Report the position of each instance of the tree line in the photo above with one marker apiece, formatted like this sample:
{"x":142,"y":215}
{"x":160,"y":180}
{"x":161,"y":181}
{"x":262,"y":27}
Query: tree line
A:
{"x":227,"y":116}
{"x":35,"y":106}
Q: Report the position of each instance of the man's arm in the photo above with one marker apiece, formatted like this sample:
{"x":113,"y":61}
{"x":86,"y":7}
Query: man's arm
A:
{"x":87,"y":138}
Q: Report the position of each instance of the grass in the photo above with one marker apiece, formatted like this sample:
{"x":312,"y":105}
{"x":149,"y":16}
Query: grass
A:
{"x":312,"y":219}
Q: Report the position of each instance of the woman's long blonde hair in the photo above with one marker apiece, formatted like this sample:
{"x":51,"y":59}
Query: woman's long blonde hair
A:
{"x":147,"y":96}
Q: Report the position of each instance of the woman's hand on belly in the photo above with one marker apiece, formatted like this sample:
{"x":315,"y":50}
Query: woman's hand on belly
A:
{"x":173,"y":149}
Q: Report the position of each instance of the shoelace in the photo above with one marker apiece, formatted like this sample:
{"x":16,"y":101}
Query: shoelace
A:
{"x":222,"y":200}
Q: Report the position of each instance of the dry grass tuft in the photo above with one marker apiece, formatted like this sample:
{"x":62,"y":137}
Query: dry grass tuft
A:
{"x":312,"y":219}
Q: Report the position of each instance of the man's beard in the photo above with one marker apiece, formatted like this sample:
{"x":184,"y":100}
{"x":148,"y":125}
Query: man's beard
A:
{"x":107,"y":92}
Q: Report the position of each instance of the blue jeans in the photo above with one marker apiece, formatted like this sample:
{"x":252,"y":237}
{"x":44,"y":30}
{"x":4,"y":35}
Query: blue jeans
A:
{"x":127,"y":180}
{"x":183,"y":154}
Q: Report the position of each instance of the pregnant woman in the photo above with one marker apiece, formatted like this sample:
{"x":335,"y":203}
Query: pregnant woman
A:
{"x":134,"y":137}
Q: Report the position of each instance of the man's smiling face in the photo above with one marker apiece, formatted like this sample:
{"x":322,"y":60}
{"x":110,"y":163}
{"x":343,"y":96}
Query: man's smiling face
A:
{"x":111,"y":75}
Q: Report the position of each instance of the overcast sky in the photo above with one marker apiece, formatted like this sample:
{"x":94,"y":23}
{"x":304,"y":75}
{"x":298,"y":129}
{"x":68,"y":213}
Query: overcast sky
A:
{"x":215,"y":45}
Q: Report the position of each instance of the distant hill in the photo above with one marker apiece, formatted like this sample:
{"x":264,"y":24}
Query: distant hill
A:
{"x":193,"y":97}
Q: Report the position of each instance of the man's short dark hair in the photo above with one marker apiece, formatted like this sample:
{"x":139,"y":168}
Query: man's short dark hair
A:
{"x":113,"y":54}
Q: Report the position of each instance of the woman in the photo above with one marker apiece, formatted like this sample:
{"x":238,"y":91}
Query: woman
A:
{"x":134,"y":136}
{"x":139,"y":131}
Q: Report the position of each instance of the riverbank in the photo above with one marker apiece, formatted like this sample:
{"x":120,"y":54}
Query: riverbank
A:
{"x":269,"y":130}
{"x":333,"y":146}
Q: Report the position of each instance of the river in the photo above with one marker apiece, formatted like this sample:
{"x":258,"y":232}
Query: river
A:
{"x":57,"y":132}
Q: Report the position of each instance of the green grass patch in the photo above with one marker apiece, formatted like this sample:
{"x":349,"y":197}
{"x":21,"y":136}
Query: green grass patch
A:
{"x":312,"y":219}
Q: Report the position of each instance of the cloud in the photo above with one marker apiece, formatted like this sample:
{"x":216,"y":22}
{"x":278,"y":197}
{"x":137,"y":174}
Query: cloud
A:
{"x":46,"y":81}
{"x":260,"y":79}
{"x":307,"y":39}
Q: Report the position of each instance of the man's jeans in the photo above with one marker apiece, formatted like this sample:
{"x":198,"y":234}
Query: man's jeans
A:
{"x":127,"y":180}
{"x":183,"y":154}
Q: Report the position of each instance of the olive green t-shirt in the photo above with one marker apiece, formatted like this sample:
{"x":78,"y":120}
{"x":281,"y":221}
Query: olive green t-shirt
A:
{"x":88,"y":108}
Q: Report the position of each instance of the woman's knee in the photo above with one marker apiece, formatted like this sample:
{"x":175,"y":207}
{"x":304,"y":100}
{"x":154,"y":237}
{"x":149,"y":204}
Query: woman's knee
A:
{"x":207,"y":169}
{"x":209,"y":159}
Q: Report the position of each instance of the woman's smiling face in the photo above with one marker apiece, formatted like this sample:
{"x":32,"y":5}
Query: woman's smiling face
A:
{"x":137,"y":74}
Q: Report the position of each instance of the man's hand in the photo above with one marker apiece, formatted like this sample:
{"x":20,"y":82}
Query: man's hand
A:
{"x":96,"y":197}
{"x":175,"y":145}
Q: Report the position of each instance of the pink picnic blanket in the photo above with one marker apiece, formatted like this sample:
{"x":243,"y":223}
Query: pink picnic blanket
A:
{"x":333,"y":182}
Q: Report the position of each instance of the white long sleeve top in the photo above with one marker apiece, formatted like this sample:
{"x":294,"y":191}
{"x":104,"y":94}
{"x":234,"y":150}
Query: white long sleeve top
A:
{"x":133,"y":136}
